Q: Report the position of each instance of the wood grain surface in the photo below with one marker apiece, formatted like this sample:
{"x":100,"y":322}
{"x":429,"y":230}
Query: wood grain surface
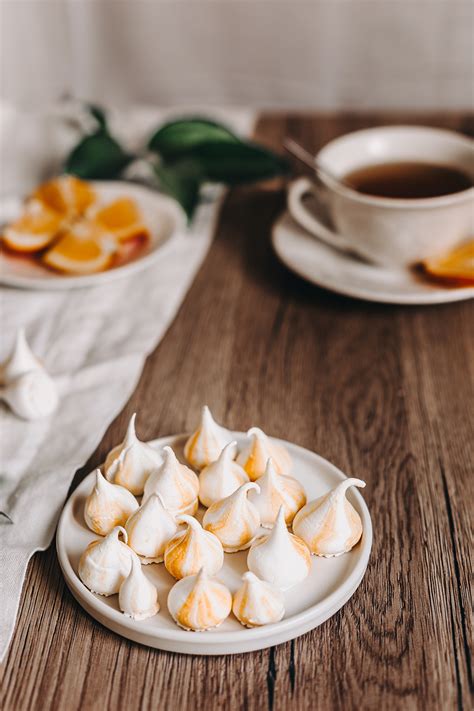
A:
{"x":385,"y":392}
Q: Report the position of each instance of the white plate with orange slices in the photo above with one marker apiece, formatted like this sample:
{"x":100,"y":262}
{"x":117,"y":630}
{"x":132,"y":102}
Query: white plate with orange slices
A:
{"x":70,"y":233}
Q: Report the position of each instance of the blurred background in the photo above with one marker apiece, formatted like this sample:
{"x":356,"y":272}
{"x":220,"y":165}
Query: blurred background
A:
{"x":135,"y":57}
{"x":324,"y":54}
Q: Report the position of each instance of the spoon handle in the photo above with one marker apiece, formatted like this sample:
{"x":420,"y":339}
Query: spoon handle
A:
{"x":308,"y":159}
{"x":299,"y":152}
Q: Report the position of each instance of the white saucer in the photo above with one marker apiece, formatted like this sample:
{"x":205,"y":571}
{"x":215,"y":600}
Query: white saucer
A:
{"x":163,"y":218}
{"x":331,"y":582}
{"x":334,"y":270}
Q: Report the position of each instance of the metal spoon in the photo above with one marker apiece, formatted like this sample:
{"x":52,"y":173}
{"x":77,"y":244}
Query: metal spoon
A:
{"x":308,"y":159}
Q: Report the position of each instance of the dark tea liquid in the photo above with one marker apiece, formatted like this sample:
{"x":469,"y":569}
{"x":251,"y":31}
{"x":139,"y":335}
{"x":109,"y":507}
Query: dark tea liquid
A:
{"x":408,"y":180}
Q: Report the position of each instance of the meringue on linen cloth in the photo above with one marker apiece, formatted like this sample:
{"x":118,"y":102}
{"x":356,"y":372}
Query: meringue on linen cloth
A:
{"x":98,"y":338}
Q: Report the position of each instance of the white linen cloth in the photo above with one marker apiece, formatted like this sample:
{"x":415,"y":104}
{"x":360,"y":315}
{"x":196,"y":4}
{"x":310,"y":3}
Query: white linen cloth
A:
{"x":97,"y":339}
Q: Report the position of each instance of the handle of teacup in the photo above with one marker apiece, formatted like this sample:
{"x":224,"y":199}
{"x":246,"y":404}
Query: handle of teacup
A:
{"x":296,"y":192}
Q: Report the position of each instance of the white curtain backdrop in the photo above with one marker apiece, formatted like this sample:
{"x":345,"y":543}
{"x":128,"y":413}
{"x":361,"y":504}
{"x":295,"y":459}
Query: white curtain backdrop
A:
{"x":326,"y":54}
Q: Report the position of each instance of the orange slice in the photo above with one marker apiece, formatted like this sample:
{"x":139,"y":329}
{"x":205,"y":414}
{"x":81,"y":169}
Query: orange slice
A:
{"x":84,"y":249}
{"x":67,"y":195}
{"x":457,"y":265}
{"x":122,"y":218}
{"x":34,"y":230}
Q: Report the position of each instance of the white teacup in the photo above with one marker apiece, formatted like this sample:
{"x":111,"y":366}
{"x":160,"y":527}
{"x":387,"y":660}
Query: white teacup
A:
{"x":389,"y":231}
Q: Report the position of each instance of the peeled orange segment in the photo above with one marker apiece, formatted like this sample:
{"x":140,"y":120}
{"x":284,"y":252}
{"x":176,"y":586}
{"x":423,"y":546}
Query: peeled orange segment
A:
{"x":122,"y":218}
{"x":66,"y":195}
{"x":458,"y":264}
{"x":34,"y":230}
{"x":84,"y":249}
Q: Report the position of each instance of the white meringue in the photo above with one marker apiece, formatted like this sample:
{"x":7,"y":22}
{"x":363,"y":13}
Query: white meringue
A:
{"x":234,"y":520}
{"x":108,"y":505}
{"x":177,"y":484}
{"x":206,"y":443}
{"x":277,"y":490}
{"x":150,"y":529}
{"x":280,"y":557}
{"x":32,"y":395}
{"x":131,"y":462}
{"x":27,"y":388}
{"x":193,"y":549}
{"x":257,"y":602}
{"x":330,"y":525}
{"x":105,"y":563}
{"x":255,"y":455}
{"x":21,"y":360}
{"x":221,"y":478}
{"x":138,"y":597}
{"x":199,"y":603}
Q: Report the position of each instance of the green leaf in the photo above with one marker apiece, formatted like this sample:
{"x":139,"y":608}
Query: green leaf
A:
{"x":99,"y":114}
{"x":181,"y":181}
{"x":98,"y":156}
{"x":234,"y":163}
{"x":177,"y":138}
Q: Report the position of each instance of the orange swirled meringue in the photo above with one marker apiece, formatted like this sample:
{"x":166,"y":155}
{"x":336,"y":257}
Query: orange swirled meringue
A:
{"x":207,"y":442}
{"x":108,"y":505}
{"x":199,"y":603}
{"x":330,"y":525}
{"x":277,"y":490}
{"x":221,"y":478}
{"x":193,"y":549}
{"x":255,"y":455}
{"x":280,"y":557}
{"x":131,"y":462}
{"x":257,"y":602}
{"x":234,"y":520}
{"x":138,"y":597}
{"x":105,"y":564}
{"x":176,"y":483}
{"x":150,"y":529}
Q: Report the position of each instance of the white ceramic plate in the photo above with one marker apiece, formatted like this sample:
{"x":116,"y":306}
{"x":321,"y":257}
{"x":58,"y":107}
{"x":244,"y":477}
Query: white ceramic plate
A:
{"x":331,"y":582}
{"x":337,"y":271}
{"x":162,"y":215}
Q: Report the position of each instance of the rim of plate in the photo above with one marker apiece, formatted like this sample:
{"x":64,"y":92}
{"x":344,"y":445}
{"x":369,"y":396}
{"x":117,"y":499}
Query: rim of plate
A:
{"x":60,"y":282}
{"x":217,"y":637}
{"x":437,"y":296}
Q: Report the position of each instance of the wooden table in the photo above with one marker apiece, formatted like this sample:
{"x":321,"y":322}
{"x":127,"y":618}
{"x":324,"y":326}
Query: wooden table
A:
{"x":382,"y":391}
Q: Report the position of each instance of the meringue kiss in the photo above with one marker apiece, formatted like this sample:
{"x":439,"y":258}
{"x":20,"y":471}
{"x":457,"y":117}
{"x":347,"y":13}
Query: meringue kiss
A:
{"x":105,"y":563}
{"x":280,"y":557}
{"x":138,"y":597}
{"x":21,"y":360}
{"x":27,"y":388}
{"x":108,"y":505}
{"x":255,"y":455}
{"x":207,"y":442}
{"x":177,"y":484}
{"x":330,"y":525}
{"x":277,"y":490}
{"x":131,"y":462}
{"x":32,"y":395}
{"x":150,"y":529}
{"x":221,"y":478}
{"x":192,"y":550}
{"x":234,"y":520}
{"x":199,"y":603}
{"x":257,"y":602}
